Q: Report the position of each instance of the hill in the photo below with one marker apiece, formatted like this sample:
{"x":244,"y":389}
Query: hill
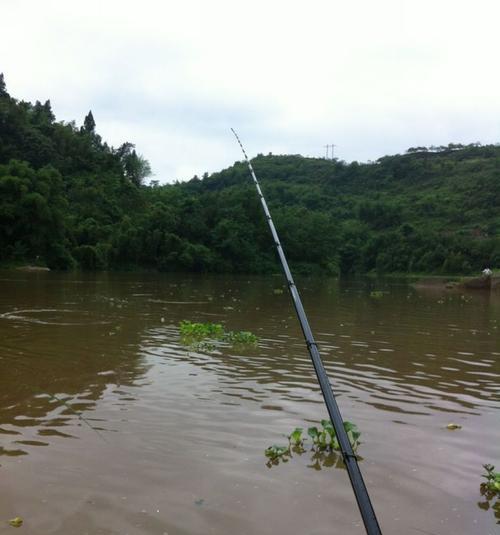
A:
{"x":67,"y":200}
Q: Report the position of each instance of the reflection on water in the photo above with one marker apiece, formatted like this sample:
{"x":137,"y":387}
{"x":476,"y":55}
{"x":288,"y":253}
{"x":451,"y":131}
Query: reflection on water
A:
{"x":96,"y":388}
{"x":317,"y":459}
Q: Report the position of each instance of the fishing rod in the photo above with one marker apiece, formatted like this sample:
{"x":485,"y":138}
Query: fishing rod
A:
{"x":350,"y":460}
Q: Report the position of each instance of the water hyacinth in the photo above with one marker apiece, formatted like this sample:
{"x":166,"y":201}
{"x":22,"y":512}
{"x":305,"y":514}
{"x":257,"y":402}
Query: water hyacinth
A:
{"x":276,"y":452}
{"x":200,"y":331}
{"x":295,"y":437}
{"x":490,"y":491}
{"x":324,"y":440}
{"x":192,"y":333}
{"x":492,"y":479}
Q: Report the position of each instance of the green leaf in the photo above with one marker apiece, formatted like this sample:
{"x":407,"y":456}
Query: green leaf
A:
{"x":274,"y":452}
{"x":296,"y":436}
{"x":352,"y":433}
{"x":349,"y":426}
{"x":328,"y":427}
{"x":313,"y":433}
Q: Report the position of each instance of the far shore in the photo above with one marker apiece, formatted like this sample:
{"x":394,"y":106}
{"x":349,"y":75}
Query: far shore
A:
{"x":418,"y":280}
{"x":32,"y":268}
{"x":451,"y":283}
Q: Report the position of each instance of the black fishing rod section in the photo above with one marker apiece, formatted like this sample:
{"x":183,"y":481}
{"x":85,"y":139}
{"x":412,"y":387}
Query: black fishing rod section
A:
{"x":350,"y":460}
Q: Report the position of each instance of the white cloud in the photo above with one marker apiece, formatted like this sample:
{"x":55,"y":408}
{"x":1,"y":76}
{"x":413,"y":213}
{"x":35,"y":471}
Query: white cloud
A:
{"x":372,"y":77}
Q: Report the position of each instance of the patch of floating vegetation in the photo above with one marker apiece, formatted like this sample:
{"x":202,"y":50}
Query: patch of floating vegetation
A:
{"x":490,"y":490}
{"x":195,"y":333}
{"x":324,"y":442}
{"x":201,"y":331}
{"x":492,"y":479}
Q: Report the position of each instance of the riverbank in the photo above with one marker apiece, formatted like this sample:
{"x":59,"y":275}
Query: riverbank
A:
{"x":461,"y":283}
{"x":32,"y":268}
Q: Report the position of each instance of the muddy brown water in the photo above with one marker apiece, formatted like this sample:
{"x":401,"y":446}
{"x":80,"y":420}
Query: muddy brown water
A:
{"x":109,"y":425}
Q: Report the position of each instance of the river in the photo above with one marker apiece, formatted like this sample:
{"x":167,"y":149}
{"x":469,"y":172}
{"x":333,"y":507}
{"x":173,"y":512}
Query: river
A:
{"x":109,"y":424}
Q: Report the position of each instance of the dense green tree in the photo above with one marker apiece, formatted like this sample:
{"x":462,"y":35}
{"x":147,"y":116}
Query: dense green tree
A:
{"x":135,"y":167}
{"x":3,"y":88}
{"x":67,"y":198}
{"x":89,"y":124}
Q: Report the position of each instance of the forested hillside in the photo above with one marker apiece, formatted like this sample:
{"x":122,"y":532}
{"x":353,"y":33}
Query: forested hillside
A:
{"x":68,"y":200}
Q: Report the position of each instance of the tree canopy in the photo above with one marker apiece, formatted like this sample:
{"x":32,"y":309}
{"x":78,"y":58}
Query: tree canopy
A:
{"x":67,"y":199}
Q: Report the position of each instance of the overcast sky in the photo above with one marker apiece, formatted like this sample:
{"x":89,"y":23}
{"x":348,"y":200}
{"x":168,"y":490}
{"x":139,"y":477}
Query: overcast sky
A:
{"x":373,"y":77}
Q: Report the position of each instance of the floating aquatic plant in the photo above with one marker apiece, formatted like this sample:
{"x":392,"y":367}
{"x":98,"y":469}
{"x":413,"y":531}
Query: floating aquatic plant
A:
{"x":324,"y":442}
{"x":326,"y":438}
{"x":492,"y":479}
{"x":353,"y":433}
{"x":295,"y":437}
{"x":193,"y":333}
{"x":240,"y":337}
{"x":275,"y":453}
{"x":200,"y":331}
{"x":490,"y":490}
